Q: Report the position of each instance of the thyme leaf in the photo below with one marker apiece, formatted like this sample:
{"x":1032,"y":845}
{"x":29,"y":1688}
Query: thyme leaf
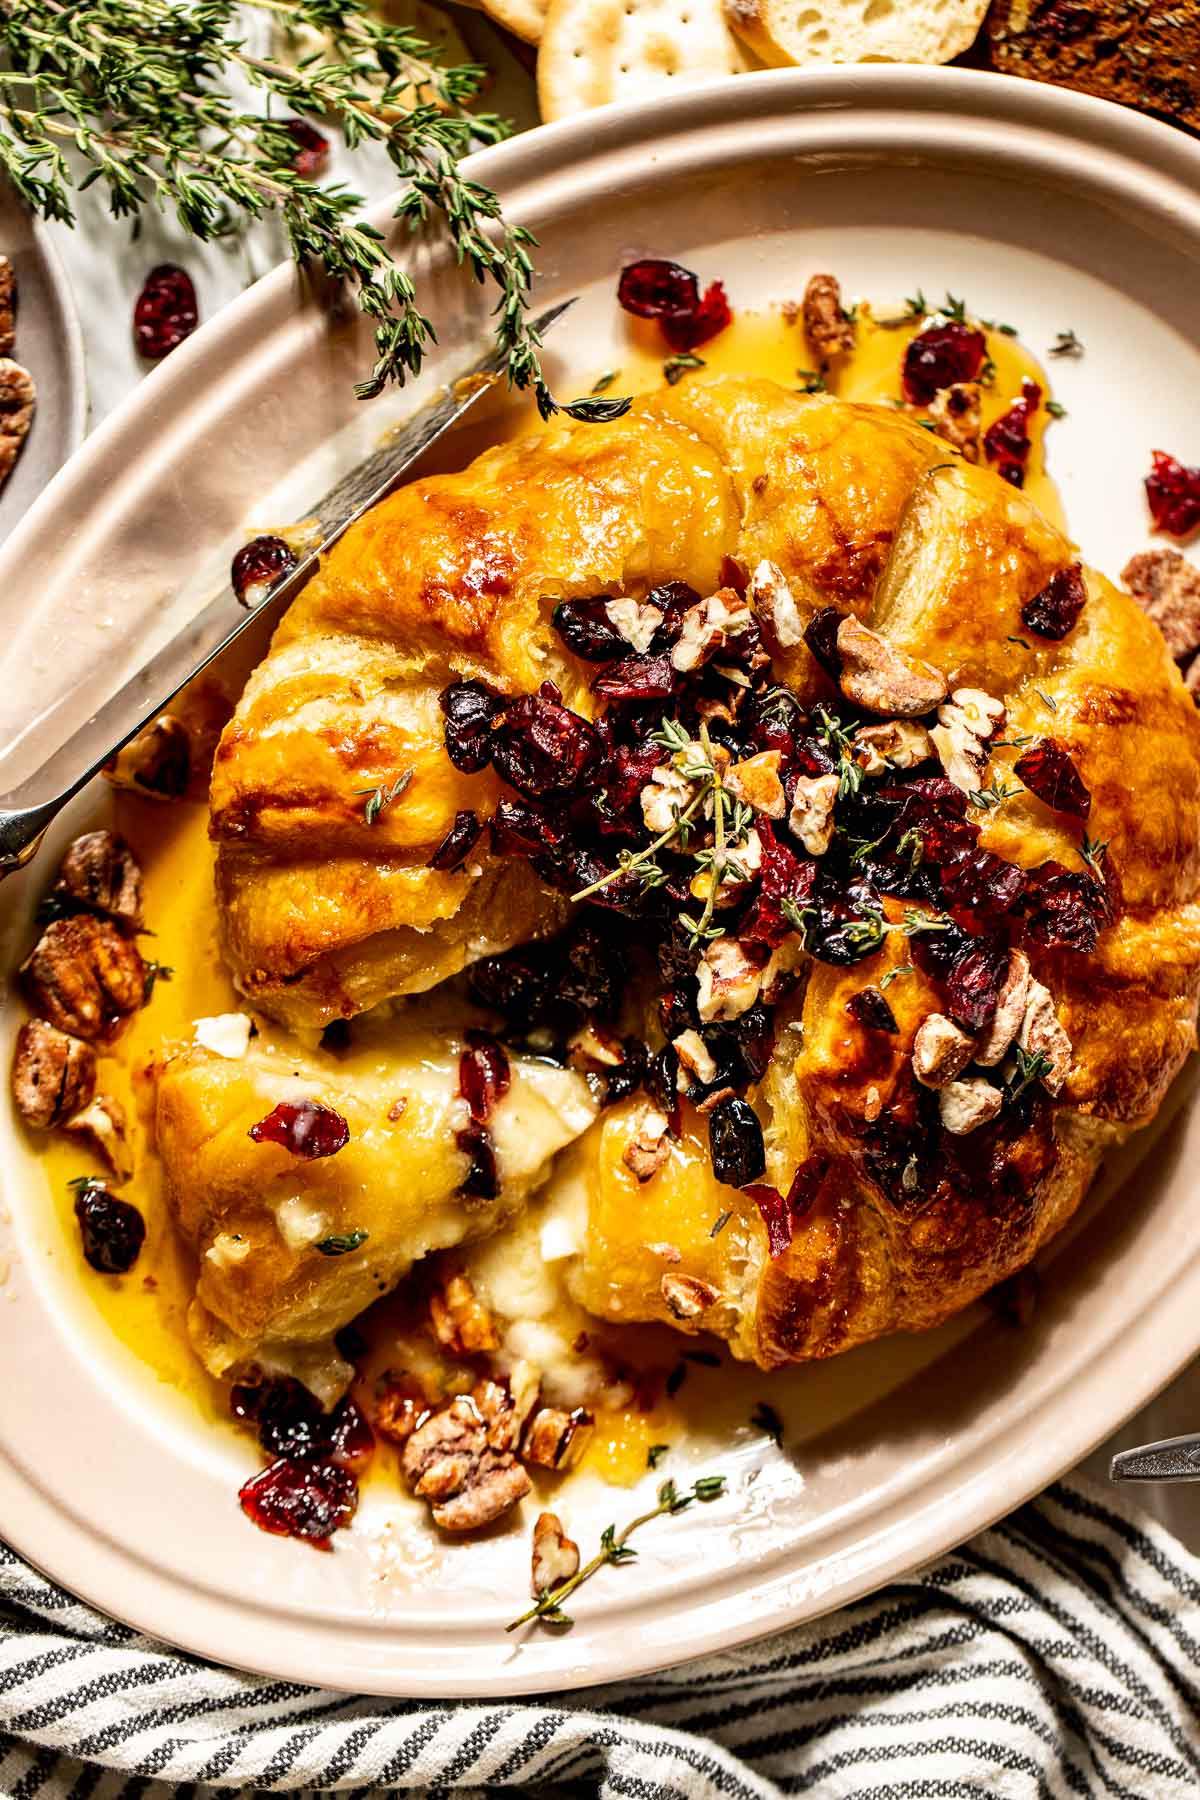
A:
{"x":339,"y":1245}
{"x":379,"y":797}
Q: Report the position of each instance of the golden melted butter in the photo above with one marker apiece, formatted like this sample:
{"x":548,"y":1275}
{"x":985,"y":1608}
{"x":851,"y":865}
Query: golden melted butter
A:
{"x":146,"y":1310}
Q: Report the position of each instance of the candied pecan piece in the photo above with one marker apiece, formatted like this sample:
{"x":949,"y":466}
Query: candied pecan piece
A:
{"x":996,"y":1038}
{"x":940,"y":1051}
{"x":101,"y":871}
{"x":448,"y":1462}
{"x":829,"y":331}
{"x":157,"y":763}
{"x":18,"y":400}
{"x":53,"y":1074}
{"x":461,"y":1322}
{"x":102,"y":1126}
{"x":686,"y":1296}
{"x":727,"y":980}
{"x":895,"y":744}
{"x":707,"y":628}
{"x":84,"y":976}
{"x":555,"y":1555}
{"x":958,"y":417}
{"x":555,"y":1439}
{"x":400,"y":1404}
{"x":881,"y":678}
{"x":811,"y":815}
{"x":1041,"y":1034}
{"x":775,"y":605}
{"x":8,"y":306}
{"x":965,"y":1105}
{"x":1167,"y":588}
{"x":648,"y":1150}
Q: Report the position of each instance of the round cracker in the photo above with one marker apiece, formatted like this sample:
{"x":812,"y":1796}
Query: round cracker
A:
{"x":526,"y":19}
{"x":594,"y":51}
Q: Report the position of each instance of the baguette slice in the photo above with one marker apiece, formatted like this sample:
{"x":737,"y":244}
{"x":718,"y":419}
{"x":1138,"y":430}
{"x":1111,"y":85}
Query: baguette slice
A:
{"x":786,"y":32}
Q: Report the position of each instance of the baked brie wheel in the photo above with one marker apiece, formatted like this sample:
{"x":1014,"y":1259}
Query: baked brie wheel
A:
{"x":896,"y":804}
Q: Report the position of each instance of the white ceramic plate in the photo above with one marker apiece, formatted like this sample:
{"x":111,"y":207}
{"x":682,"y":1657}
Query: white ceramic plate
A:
{"x":50,"y":347}
{"x":1045,"y":209}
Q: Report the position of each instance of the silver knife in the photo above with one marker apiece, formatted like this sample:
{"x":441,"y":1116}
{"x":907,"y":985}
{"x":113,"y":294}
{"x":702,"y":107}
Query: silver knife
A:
{"x":28,"y":809}
{"x":1169,"y":1459}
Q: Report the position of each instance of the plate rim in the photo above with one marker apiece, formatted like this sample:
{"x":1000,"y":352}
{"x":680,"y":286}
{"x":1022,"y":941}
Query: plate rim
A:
{"x":520,"y":162}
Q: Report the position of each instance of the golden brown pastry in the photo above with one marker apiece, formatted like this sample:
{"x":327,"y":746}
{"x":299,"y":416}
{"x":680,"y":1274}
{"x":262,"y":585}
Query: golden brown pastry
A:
{"x":926,"y":1158}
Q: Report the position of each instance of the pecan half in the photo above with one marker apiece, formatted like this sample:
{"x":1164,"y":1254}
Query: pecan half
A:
{"x":957,"y":415}
{"x":826,"y":326}
{"x":101,"y":870}
{"x":53,"y":1074}
{"x":448,"y":1462}
{"x":1167,"y":588}
{"x":555,"y":1555}
{"x":84,"y":976}
{"x":157,"y":763}
{"x":555,"y":1439}
{"x":400,"y":1403}
{"x":18,"y":400}
{"x":461,"y":1322}
{"x":883,"y":679}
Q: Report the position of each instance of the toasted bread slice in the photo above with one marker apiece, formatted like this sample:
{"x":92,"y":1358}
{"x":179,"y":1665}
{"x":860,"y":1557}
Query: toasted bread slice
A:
{"x":1145,"y":53}
{"x":783,"y":32}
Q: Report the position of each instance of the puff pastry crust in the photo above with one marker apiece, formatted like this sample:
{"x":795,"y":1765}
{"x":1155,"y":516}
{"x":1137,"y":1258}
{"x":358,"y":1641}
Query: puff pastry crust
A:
{"x":457,"y":576}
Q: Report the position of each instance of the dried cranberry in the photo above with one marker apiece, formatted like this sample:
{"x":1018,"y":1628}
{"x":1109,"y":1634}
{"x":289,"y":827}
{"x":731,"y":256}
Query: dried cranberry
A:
{"x":871,"y":1009}
{"x":687,"y":331}
{"x":519,"y":829}
{"x":520,"y":984}
{"x":820,"y":634}
{"x":981,"y":882}
{"x":291,"y":1422}
{"x":1064,"y":910}
{"x":673,"y":599}
{"x":1173,"y":491}
{"x":1048,"y":771}
{"x":620,"y":780}
{"x":973,"y":984}
{"x":735,"y":1141}
{"x":650,"y":288}
{"x":481,"y":1180}
{"x":936,"y":952}
{"x":938,"y":357}
{"x":309,"y":1500}
{"x":351,"y":1440}
{"x":312,"y":148}
{"x":304,"y":1127}
{"x":677,"y":1011}
{"x":1007,"y":439}
{"x":621,"y":891}
{"x":637,"y":677}
{"x":783,"y":875}
{"x":469,"y":708}
{"x":1008,"y":469}
{"x":624,"y":1080}
{"x":165,"y":311}
{"x":1056,"y":609}
{"x":753,"y":1033}
{"x":257,"y":566}
{"x":113,"y":1231}
{"x":541,"y":747}
{"x":586,"y":629}
{"x":458,"y":842}
{"x":780,"y":1213}
{"x":593,"y":974}
{"x":483,"y":1075}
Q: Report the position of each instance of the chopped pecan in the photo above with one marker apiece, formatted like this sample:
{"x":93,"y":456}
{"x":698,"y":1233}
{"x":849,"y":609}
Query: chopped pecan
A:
{"x":883,"y":679}
{"x":1167,"y":588}
{"x":664,"y":797}
{"x":461,"y":1322}
{"x":776,"y":607}
{"x":18,"y":399}
{"x":708,"y":627}
{"x":811,"y":817}
{"x":940,"y":1051}
{"x":101,"y":870}
{"x":687,"y":1296}
{"x":102,"y":1126}
{"x":961,"y":734}
{"x":506,"y":1403}
{"x":448,"y":1462}
{"x":755,"y":781}
{"x":636,"y":620}
{"x":649,"y":1148}
{"x":84,"y":976}
{"x":555,"y":1555}
{"x":555,"y":1439}
{"x":826,"y":326}
{"x":400,"y":1404}
{"x":595,"y":1050}
{"x":965,"y":1105}
{"x":157,"y":762}
{"x":1041,"y":1034}
{"x":53,"y":1074}
{"x":695,"y":1058}
{"x":727,"y":980}
{"x":958,"y":417}
{"x":995,"y":1040}
{"x":8,"y":307}
{"x":896,"y":744}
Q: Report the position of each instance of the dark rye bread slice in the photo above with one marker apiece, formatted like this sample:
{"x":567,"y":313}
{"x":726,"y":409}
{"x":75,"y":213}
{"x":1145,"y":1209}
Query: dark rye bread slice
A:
{"x":1145,"y":53}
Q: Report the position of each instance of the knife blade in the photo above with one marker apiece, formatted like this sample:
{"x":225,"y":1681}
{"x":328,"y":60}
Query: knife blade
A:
{"x":26,"y":811}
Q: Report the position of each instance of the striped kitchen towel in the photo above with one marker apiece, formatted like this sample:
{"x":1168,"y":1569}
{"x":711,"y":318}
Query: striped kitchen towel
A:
{"x":1056,"y":1654}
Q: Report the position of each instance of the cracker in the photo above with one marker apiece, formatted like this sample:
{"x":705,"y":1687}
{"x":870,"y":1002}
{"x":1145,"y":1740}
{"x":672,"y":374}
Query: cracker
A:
{"x":594,"y":51}
{"x":801,"y":32}
{"x":526,"y":19}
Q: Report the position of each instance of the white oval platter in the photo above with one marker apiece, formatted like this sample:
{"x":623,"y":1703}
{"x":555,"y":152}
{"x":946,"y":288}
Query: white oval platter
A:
{"x":1047,"y":209}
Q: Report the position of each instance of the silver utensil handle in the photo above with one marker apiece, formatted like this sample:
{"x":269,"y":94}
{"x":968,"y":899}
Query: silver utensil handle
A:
{"x":1168,"y":1459}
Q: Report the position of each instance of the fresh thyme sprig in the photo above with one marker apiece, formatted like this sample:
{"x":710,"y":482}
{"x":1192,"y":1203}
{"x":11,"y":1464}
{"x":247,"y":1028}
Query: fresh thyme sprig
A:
{"x":135,"y":95}
{"x":379,"y":797}
{"x":614,"y":1548}
{"x":1029,"y":1066}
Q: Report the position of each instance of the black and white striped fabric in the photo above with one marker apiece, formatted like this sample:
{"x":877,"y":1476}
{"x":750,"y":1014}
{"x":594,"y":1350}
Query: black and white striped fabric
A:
{"x":1057,"y":1654}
